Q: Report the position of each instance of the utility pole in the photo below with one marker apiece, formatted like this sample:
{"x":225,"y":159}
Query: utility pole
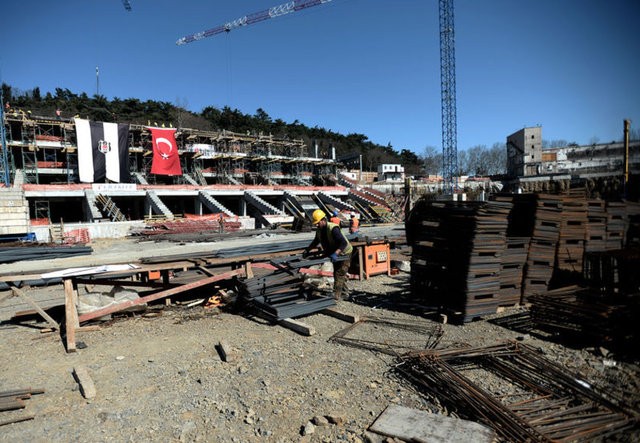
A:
{"x":97,"y":81}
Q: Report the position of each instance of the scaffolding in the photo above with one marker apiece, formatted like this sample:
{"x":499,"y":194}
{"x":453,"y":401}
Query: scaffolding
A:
{"x":46,"y":149}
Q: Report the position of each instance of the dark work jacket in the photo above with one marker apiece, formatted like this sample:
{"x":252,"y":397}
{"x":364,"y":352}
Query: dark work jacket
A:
{"x":331,"y":239}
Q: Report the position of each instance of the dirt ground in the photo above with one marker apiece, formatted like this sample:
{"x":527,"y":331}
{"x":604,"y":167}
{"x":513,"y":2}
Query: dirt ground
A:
{"x":159,"y":377}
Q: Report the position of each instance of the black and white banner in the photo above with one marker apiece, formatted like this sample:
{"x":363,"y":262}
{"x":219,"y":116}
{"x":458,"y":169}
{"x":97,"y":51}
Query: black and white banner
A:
{"x":103,"y":151}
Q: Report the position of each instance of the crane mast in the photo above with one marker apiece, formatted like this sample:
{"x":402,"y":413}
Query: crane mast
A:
{"x":250,"y":19}
{"x":448,"y":97}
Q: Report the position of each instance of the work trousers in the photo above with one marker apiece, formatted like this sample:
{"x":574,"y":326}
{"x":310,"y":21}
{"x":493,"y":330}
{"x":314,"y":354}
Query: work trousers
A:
{"x":340,"y":269}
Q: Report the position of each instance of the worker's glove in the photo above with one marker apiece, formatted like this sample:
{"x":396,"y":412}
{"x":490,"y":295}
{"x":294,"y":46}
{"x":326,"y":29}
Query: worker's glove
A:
{"x":333,"y":257}
{"x":305,"y":253}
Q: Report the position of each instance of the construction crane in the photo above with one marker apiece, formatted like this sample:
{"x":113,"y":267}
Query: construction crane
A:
{"x":447,"y":72}
{"x":448,"y":97}
{"x":127,"y":5}
{"x":250,"y":19}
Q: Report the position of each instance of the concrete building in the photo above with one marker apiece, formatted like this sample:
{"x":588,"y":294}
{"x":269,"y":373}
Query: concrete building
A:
{"x":390,"y":173}
{"x":524,"y":152}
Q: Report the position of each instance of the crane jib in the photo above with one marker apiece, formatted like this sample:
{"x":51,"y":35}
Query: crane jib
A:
{"x":250,"y":19}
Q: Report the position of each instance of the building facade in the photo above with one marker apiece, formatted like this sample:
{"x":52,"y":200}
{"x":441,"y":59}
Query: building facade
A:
{"x":524,"y":152}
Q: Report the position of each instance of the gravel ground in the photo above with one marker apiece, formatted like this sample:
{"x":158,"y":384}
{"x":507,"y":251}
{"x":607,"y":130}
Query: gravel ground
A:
{"x":161,"y":378}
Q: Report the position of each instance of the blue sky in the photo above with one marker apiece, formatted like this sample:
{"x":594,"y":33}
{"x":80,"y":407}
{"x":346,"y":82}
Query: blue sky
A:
{"x":352,"y":66}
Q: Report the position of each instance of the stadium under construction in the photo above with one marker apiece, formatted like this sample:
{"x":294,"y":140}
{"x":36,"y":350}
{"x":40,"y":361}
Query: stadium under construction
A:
{"x":255,"y":180}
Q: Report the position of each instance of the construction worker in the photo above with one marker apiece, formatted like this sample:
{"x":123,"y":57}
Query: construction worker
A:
{"x":354,"y":224}
{"x":335,"y":246}
{"x":335,"y":219}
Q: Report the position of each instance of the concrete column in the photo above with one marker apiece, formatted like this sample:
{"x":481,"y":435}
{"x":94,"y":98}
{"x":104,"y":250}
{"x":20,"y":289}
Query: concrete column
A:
{"x":242,"y":208}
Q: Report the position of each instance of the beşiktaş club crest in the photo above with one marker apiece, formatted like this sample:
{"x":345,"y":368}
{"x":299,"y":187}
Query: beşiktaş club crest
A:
{"x":104,"y":146}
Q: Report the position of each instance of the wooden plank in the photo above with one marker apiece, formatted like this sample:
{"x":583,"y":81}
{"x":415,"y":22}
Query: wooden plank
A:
{"x":340,"y":315}
{"x":54,"y":324}
{"x":87,"y":388}
{"x":158,"y":295}
{"x":88,"y":328}
{"x":131,"y":283}
{"x":297,"y":326}
{"x":420,"y":426}
{"x":248,"y":271}
{"x":70,"y":314}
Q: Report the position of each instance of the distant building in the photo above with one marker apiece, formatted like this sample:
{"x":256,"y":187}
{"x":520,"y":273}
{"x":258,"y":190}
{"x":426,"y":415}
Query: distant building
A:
{"x":364,"y":177}
{"x":524,"y":152}
{"x":602,"y":158}
{"x":390,"y":173}
{"x":526,"y":158}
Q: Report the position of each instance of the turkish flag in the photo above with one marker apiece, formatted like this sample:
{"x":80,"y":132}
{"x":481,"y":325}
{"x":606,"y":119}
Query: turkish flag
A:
{"x":166,"y":160}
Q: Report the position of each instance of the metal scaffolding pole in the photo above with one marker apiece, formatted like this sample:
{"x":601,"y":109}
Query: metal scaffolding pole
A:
{"x":4,"y":159}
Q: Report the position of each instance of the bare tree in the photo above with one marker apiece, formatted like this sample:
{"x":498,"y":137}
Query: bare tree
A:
{"x":180,"y":111}
{"x":497,"y":159}
{"x":432,"y":161}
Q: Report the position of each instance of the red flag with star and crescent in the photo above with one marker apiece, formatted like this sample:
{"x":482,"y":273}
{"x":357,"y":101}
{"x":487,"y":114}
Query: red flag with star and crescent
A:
{"x":166,"y":160}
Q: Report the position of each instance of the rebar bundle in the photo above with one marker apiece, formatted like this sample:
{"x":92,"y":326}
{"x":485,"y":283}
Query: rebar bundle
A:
{"x":551,"y":405}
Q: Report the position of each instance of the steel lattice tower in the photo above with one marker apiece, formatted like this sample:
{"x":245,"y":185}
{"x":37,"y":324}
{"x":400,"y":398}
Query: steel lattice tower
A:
{"x":448,"y":97}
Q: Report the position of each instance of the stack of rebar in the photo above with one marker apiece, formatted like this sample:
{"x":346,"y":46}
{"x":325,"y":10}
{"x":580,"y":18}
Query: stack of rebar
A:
{"x":588,"y":316}
{"x":551,"y":404}
{"x":282,"y":294}
{"x":544,"y":240}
